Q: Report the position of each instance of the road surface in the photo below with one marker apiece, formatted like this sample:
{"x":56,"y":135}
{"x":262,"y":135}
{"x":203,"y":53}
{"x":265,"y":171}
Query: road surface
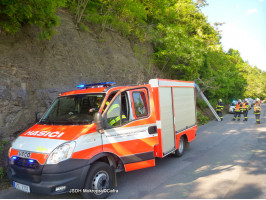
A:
{"x":226,"y":160}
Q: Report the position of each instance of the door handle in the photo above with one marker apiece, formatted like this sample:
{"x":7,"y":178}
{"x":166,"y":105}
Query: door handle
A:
{"x":152,"y":129}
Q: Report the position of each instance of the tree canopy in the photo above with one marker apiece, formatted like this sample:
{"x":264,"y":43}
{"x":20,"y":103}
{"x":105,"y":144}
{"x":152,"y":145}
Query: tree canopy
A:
{"x":186,"y":46}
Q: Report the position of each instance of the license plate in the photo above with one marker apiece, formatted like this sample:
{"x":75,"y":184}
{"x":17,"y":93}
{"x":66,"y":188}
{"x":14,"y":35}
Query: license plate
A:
{"x":24,"y":154}
{"x":21,"y":187}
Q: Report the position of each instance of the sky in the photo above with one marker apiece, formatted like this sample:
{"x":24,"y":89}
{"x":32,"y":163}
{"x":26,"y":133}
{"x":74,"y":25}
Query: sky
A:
{"x":244,"y":29}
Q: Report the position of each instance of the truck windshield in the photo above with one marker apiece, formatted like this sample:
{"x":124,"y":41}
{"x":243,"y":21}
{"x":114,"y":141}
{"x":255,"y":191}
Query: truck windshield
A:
{"x":74,"y":109}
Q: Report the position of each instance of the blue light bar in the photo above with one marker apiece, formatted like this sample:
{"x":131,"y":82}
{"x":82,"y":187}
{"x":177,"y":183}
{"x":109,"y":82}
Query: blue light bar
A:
{"x":31,"y":161}
{"x":92,"y":85}
{"x":81,"y":86}
{"x":14,"y":157}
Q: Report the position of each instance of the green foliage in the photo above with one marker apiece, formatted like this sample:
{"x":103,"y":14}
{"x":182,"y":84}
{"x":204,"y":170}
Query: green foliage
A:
{"x":178,"y":53}
{"x":83,"y":27}
{"x":126,"y":16}
{"x":3,"y":143}
{"x":2,"y":173}
{"x":202,"y":119}
{"x":220,"y":76}
{"x":201,"y":104}
{"x":185,"y":45}
{"x":256,"y":79}
{"x":15,"y":13}
{"x":182,"y":33}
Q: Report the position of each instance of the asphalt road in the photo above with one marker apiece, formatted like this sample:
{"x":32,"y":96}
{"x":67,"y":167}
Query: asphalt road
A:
{"x":226,"y":160}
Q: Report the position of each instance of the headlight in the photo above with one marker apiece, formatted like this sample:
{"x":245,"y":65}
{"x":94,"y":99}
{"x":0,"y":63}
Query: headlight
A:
{"x":61,"y":153}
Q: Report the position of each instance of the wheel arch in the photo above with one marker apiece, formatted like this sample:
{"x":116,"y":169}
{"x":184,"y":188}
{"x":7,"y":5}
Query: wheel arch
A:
{"x":110,"y":158}
{"x":186,"y":140}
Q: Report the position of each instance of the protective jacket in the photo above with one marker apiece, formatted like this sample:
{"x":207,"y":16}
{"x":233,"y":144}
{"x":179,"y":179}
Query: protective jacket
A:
{"x":238,"y":107}
{"x":114,"y":111}
{"x":245,"y":106}
{"x":219,"y":106}
{"x":257,"y":108}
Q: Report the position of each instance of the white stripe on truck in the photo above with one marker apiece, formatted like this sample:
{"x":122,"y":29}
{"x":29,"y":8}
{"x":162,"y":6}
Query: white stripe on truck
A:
{"x":34,"y":144}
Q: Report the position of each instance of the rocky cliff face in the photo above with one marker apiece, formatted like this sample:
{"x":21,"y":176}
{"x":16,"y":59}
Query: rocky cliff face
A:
{"x":34,"y":72}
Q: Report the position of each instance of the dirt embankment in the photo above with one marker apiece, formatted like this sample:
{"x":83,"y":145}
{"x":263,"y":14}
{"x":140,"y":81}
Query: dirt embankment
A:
{"x":34,"y":72}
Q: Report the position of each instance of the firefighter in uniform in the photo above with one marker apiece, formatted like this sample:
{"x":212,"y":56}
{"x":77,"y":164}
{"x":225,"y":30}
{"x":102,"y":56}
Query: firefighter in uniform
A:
{"x":115,"y":115}
{"x":238,"y":110}
{"x":245,"y":109}
{"x":219,"y":109}
{"x":97,"y":105}
{"x":257,"y":110}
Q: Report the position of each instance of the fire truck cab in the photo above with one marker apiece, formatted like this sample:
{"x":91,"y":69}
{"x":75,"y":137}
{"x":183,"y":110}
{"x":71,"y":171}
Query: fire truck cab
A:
{"x":90,"y":134}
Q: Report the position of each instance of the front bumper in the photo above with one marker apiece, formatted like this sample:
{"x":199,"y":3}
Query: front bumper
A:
{"x":46,"y":183}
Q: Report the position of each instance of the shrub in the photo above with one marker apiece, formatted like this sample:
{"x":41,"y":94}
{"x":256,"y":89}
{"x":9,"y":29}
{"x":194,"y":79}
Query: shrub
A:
{"x":201,"y":118}
{"x":2,"y":145}
{"x":15,"y":13}
{"x":201,"y":104}
{"x":2,"y":173}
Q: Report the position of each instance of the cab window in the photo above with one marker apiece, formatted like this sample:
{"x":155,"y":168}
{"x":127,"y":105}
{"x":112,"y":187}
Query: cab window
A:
{"x":119,"y":111}
{"x":128,"y":106}
{"x":140,"y":104}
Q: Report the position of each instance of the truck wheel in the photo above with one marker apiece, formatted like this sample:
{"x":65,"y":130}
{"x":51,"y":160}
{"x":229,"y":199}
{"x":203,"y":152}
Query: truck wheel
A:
{"x":99,"y":180}
{"x":180,"y":151}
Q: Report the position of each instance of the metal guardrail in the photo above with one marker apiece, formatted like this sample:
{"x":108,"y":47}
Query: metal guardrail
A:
{"x":208,"y":103}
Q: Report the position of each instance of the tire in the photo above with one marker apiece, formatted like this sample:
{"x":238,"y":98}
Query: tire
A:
{"x":181,"y":148}
{"x":100,"y":177}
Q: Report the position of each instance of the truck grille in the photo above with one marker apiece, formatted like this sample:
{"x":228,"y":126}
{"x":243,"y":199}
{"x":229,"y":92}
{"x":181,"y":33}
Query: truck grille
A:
{"x":25,"y":162}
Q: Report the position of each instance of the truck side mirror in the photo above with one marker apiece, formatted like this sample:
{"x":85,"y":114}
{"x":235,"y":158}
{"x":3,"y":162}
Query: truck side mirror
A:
{"x":38,"y":116}
{"x":99,"y":122}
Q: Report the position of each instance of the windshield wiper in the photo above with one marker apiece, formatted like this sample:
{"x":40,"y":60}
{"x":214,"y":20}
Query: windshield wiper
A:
{"x":46,"y":120}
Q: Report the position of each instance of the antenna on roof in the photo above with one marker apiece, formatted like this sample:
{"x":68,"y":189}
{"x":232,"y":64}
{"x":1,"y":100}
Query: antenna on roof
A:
{"x":96,"y":85}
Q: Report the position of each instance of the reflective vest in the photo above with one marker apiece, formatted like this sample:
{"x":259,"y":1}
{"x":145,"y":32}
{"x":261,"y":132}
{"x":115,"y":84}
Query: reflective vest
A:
{"x":219,"y":106}
{"x":106,"y":104}
{"x":257,"y":108}
{"x":115,"y":120}
{"x":238,"y":107}
{"x":245,"y":106}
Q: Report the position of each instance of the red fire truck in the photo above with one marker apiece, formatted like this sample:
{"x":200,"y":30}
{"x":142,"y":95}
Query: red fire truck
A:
{"x":90,"y":134}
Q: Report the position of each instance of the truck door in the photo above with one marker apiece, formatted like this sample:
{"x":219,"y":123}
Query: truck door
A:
{"x":167,"y":119}
{"x":125,"y":134}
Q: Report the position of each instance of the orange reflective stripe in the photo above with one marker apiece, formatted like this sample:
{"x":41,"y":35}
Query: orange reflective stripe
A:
{"x":139,"y":165}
